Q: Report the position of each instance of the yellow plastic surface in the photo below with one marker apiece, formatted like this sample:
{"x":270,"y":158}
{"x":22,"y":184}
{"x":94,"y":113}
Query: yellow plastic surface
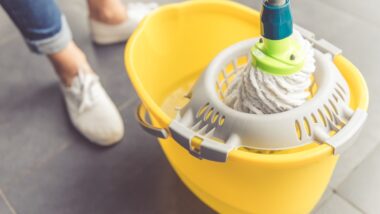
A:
{"x":170,"y":49}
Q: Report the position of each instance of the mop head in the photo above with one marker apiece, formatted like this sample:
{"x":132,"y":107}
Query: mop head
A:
{"x":257,"y":92}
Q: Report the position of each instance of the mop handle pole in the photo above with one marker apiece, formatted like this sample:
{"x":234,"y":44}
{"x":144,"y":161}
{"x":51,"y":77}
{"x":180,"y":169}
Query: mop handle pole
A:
{"x":276,"y":2}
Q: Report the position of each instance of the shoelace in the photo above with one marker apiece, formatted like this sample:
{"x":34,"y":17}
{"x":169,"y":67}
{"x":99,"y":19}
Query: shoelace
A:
{"x":86,"y":96}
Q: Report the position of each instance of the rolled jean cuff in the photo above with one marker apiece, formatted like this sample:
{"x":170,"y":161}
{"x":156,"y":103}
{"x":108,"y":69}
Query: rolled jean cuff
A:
{"x":55,"y":43}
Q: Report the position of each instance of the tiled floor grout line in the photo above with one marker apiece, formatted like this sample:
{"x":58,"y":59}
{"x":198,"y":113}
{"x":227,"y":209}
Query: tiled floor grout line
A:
{"x":52,"y":154}
{"x":350,"y":202}
{"x":358,"y":165}
{"x":335,"y":190}
{"x":67,"y":145}
{"x":7,"y":202}
{"x":127,"y":103}
{"x":323,"y":203}
{"x":40,"y":163}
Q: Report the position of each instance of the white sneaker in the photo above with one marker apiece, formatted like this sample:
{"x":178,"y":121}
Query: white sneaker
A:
{"x":104,"y":34}
{"x":92,"y":111}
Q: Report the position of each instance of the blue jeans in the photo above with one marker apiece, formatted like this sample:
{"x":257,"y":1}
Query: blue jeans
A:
{"x":41,"y":23}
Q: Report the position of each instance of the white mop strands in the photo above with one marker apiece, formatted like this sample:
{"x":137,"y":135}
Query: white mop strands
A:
{"x":256,"y":92}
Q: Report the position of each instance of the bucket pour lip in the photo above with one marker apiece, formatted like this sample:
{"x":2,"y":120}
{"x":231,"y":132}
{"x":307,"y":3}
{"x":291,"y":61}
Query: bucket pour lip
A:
{"x":351,"y":74}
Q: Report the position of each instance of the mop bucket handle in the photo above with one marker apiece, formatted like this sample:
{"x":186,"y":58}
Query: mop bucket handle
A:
{"x":212,"y":150}
{"x":141,"y":117}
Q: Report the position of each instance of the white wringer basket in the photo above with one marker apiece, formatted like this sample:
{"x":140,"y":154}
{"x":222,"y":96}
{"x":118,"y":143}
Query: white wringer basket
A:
{"x":325,"y":118}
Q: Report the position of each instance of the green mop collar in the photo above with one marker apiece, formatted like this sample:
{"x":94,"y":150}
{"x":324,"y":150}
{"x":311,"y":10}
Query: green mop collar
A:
{"x":277,"y":53}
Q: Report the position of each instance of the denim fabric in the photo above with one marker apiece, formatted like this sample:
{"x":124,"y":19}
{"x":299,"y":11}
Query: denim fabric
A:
{"x":41,"y":23}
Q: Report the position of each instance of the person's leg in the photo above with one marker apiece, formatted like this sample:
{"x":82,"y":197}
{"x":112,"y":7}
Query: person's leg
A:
{"x":107,"y":11}
{"x":112,"y":22}
{"x":67,"y":62}
{"x":45,"y":31}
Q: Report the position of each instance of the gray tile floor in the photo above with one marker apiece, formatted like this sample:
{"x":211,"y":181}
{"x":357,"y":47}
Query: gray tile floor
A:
{"x":47,"y":167}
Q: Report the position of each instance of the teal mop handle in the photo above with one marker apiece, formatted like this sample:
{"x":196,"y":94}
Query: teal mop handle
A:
{"x":276,"y":19}
{"x":276,"y":2}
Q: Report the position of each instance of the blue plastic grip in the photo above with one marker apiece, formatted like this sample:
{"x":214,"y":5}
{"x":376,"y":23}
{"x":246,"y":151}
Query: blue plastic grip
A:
{"x":276,"y":21}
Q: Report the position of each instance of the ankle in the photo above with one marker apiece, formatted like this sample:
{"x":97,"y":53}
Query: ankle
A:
{"x":67,"y":63}
{"x":109,"y":12}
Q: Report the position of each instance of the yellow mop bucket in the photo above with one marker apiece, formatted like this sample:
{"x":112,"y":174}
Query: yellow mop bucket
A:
{"x":167,"y":54}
